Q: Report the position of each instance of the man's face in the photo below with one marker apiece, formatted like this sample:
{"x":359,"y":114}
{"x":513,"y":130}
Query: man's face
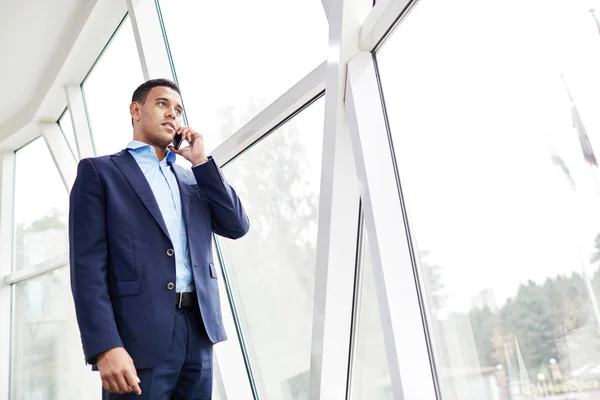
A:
{"x":159,"y":117}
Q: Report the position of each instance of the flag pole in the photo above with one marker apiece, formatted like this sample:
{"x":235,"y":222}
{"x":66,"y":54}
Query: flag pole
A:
{"x":584,"y":141}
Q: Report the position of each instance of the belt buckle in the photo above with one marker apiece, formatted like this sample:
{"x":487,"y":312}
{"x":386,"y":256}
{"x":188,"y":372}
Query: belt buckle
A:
{"x":180,"y":295}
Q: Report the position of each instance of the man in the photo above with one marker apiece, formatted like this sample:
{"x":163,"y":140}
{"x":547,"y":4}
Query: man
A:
{"x":142,"y":272}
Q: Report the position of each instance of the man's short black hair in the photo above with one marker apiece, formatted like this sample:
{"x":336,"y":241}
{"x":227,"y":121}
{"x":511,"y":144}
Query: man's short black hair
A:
{"x":141,"y":93}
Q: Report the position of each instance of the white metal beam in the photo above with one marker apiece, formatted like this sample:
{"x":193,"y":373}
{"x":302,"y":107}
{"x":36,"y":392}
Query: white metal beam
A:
{"x":356,"y":308}
{"x":151,"y":43}
{"x":37,"y":269}
{"x":61,"y":154}
{"x":288,"y":103}
{"x":338,"y":218}
{"x":381,"y":20}
{"x":396,"y":277}
{"x":81,"y":127}
{"x":7,"y":176}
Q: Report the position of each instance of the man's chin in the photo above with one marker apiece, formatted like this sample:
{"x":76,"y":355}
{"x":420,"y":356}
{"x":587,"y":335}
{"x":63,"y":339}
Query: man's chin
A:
{"x":164,"y":140}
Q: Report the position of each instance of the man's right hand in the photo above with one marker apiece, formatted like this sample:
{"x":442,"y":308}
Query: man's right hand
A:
{"x":117,"y":372}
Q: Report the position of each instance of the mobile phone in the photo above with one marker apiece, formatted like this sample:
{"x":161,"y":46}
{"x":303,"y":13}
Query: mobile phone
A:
{"x":177,"y":141}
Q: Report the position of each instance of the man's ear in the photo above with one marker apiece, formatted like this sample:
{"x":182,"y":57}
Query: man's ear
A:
{"x":134,"y":110}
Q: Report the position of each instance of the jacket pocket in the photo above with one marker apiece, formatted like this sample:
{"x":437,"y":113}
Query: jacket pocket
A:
{"x":125,"y":288}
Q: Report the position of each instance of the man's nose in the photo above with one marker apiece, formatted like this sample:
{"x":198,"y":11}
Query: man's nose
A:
{"x":171,"y":113}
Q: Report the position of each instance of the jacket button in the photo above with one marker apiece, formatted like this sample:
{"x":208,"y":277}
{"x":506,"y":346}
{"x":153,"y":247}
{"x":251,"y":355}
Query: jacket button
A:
{"x":170,"y":252}
{"x":170,"y":286}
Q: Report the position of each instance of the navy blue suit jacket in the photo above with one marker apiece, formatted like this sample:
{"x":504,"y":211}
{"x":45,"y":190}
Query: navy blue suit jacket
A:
{"x":121,"y":265}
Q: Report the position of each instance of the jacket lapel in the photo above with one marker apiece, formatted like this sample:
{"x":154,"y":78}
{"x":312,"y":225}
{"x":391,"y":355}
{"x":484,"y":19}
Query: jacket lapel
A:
{"x":129,"y":167}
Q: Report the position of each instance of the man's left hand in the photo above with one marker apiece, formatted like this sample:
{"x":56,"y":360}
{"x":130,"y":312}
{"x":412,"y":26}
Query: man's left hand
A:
{"x":194,"y":153}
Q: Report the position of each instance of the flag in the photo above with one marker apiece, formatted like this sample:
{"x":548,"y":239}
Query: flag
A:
{"x":584,"y":141}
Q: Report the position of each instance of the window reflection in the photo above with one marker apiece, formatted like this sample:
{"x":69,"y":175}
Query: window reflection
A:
{"x":272,"y":267}
{"x":41,"y":203}
{"x":231,"y":71}
{"x":502,"y":190}
{"x":48,"y":361}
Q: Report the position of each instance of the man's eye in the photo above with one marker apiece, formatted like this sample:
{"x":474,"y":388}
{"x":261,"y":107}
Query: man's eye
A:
{"x":161,"y":103}
{"x":178,"y":112}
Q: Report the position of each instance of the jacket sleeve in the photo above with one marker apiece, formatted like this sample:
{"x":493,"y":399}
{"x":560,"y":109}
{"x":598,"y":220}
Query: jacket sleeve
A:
{"x":89,"y":261}
{"x":227,"y":213}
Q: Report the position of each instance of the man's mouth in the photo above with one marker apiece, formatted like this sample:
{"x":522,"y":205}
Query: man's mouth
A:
{"x":169,"y":124}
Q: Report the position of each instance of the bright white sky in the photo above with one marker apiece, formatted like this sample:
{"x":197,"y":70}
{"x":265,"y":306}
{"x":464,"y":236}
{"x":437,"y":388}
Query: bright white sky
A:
{"x":38,"y":186}
{"x":475,"y":100}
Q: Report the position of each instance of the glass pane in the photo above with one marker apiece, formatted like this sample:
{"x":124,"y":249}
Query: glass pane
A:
{"x":66,"y":125}
{"x":108,"y":90}
{"x":48,"y":361}
{"x":41,"y":204}
{"x":231,"y":65}
{"x":501,"y":185}
{"x":272,"y":268}
{"x":370,"y":373}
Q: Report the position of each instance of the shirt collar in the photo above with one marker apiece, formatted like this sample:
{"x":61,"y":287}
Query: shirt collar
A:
{"x":145,"y":148}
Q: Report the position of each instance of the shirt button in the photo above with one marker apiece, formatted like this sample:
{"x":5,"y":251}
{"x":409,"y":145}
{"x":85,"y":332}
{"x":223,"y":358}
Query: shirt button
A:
{"x":170,"y":286}
{"x":170,"y":252}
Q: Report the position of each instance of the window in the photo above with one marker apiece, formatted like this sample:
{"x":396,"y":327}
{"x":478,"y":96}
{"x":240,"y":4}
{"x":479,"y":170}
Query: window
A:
{"x":272,"y":269}
{"x":48,"y":363}
{"x":66,"y":126}
{"x":45,"y":364}
{"x":234,"y":58}
{"x":370,"y":372}
{"x":41,"y":204}
{"x":504,"y":203}
{"x":108,"y":90}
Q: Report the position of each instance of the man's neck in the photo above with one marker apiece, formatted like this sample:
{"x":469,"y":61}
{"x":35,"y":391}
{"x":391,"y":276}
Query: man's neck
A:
{"x":160,"y":152}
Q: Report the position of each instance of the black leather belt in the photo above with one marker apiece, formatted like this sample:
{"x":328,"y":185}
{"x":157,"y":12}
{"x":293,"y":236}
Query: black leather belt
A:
{"x":186,"y":299}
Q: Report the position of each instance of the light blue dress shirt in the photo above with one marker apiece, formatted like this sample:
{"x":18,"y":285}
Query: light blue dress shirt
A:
{"x":163,"y":183}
